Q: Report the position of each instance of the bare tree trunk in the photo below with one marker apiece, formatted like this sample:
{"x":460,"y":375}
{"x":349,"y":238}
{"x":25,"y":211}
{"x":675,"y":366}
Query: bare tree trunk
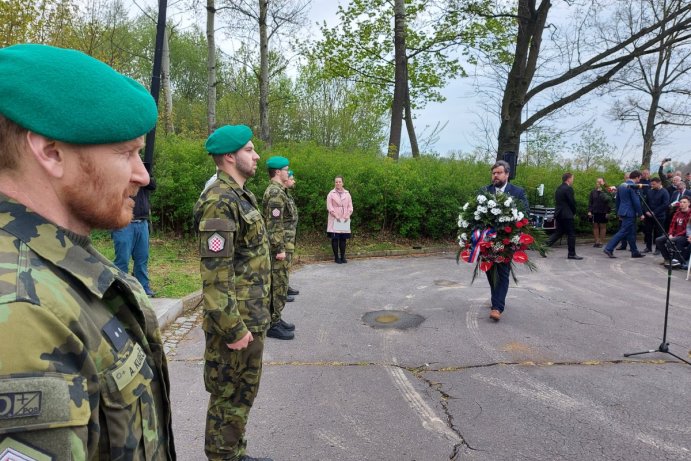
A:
{"x":165,"y":84}
{"x":264,"y":132}
{"x":397,"y":106}
{"x":415,"y":149}
{"x":211,"y":64}
{"x":649,"y":130}
{"x":531,"y":23}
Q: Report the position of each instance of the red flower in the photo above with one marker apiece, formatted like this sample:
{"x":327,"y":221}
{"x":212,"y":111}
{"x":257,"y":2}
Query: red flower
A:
{"x":507,"y":229}
{"x":506,"y":241}
{"x":520,"y":257}
{"x":485,"y":265}
{"x":525,"y":221}
{"x":519,"y":224}
{"x":500,"y":259}
{"x":465,"y":255}
{"x":485,"y":244}
{"x":526,"y":239}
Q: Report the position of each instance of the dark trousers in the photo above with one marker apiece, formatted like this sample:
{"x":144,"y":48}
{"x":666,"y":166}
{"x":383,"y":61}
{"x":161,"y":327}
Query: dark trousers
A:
{"x":651,"y":231}
{"x":500,"y":286}
{"x":679,"y":242}
{"x":627,"y":231}
{"x":565,"y":226}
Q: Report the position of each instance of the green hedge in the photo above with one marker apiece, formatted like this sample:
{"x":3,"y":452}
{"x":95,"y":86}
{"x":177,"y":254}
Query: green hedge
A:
{"x":411,"y":197}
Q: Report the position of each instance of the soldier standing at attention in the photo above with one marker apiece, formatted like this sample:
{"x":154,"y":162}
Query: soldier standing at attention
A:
{"x":236,"y":278}
{"x":281,"y":223}
{"x":290,"y":183}
{"x":82,"y":370}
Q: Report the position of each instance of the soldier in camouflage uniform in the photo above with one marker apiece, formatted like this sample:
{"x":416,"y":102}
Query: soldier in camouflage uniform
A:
{"x":236,"y":277}
{"x":280,"y":215}
{"x":82,"y":370}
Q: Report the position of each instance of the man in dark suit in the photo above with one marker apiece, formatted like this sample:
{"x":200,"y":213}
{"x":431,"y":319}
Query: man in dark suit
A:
{"x":628,"y":206}
{"x":564,"y":212}
{"x":500,"y":287}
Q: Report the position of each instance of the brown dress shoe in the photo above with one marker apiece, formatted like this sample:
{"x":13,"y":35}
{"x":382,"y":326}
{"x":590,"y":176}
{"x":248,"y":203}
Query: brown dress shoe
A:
{"x":495,"y":315}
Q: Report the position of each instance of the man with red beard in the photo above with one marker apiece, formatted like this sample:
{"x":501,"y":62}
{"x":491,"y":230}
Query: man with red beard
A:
{"x":82,"y":370}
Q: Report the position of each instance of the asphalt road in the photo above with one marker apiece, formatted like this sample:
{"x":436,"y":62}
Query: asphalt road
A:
{"x":548,"y":382}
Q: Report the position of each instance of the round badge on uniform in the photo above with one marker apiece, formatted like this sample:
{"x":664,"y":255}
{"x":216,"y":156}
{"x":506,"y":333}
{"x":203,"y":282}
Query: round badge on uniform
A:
{"x":276,"y":213}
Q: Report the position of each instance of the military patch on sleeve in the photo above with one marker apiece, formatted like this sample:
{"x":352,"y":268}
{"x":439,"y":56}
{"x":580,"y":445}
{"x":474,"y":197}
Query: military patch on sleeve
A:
{"x":276,"y":213}
{"x":14,"y":450}
{"x":216,"y":243}
{"x":116,"y":333}
{"x":20,"y":404}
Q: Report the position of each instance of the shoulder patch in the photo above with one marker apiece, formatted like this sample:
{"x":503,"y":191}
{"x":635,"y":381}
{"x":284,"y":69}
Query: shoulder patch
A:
{"x":216,"y":242}
{"x":20,"y":404}
{"x":116,"y":333}
{"x":276,"y":213}
{"x":14,"y":450}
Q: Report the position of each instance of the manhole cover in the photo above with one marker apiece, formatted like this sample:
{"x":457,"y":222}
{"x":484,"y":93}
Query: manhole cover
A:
{"x":397,"y":320}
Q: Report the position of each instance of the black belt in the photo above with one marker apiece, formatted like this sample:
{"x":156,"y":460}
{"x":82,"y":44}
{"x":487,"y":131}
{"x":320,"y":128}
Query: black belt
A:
{"x":138,"y":220}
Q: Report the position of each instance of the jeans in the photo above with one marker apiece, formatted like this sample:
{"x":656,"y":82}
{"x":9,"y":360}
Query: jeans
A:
{"x":501,"y":287}
{"x":133,"y":242}
{"x":627,"y":231}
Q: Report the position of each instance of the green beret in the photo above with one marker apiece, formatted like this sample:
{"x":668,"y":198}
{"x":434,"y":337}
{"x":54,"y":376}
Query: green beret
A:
{"x":228,"y":139}
{"x":69,"y":96}
{"x":277,"y":162}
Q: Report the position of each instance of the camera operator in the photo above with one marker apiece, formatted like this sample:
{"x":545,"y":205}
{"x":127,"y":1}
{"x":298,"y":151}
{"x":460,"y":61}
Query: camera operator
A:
{"x":666,"y":174}
{"x":677,"y":233}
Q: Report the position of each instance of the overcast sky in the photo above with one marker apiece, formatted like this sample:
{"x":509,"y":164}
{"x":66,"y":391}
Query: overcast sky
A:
{"x":460,"y":113}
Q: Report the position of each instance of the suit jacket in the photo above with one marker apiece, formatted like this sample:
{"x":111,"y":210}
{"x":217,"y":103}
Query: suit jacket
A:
{"x":565,"y":202}
{"x":515,"y":192}
{"x":676,"y":195}
{"x":628,"y":204}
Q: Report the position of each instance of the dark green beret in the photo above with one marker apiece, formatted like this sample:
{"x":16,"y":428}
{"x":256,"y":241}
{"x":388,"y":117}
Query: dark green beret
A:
{"x":277,"y":162}
{"x":69,"y":96}
{"x":228,"y":139}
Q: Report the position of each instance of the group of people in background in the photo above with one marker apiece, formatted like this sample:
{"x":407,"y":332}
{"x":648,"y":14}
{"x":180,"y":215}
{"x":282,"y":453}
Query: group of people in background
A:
{"x":660,"y":204}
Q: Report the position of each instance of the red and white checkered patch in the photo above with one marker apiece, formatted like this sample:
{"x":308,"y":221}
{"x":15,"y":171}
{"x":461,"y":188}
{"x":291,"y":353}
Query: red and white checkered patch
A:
{"x":276,"y":213}
{"x":216,"y":243}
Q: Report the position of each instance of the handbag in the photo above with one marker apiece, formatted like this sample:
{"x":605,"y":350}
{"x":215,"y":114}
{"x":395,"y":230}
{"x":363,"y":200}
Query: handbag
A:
{"x":342,"y":226}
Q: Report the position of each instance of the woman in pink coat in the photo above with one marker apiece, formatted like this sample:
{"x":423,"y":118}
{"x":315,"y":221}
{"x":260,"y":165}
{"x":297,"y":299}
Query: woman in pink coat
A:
{"x":340,"y":207}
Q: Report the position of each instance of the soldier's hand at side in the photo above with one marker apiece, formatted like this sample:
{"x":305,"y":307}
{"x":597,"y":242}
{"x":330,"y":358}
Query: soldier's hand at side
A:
{"x":241,"y":344}
{"x":281,"y":256}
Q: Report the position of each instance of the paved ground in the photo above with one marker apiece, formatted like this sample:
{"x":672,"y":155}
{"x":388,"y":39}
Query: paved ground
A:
{"x":548,"y":382}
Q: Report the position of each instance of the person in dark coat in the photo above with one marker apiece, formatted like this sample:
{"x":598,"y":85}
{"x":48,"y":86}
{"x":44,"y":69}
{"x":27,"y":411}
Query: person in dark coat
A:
{"x":564,"y":213}
{"x":599,"y":206}
{"x":500,"y":183}
{"x":628,"y":206}
{"x":657,"y":199}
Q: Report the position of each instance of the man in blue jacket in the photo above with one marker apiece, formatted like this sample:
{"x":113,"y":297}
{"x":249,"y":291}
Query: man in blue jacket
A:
{"x":628,"y":206}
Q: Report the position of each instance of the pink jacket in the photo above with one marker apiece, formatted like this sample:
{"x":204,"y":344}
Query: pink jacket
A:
{"x":339,"y":205}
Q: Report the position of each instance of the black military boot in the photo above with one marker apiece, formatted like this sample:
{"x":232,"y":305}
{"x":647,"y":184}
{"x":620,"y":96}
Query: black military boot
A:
{"x":290,"y":298}
{"x":287,"y":326}
{"x":278,"y":332}
{"x":250,"y":458}
{"x":292,"y":291}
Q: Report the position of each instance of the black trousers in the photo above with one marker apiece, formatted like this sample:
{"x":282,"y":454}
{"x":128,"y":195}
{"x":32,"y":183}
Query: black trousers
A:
{"x":565,"y":226}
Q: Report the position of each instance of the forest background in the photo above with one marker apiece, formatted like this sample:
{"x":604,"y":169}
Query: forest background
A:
{"x":337,"y":105}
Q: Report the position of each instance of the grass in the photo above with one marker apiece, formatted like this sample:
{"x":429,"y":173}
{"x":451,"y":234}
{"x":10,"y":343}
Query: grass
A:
{"x":174,"y":261}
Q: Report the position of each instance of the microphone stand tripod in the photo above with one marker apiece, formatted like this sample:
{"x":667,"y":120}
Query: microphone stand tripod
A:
{"x":672,"y":249}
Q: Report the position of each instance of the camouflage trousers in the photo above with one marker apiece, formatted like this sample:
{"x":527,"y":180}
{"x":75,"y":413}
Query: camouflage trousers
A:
{"x":233,"y":385}
{"x":279,"y":286}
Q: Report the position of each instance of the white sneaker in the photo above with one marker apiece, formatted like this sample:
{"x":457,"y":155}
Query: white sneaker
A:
{"x":675,"y":263}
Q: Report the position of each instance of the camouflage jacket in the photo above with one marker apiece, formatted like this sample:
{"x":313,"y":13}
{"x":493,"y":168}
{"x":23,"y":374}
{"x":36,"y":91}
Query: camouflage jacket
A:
{"x":82,"y":370}
{"x":235,"y":262}
{"x":281,"y":218}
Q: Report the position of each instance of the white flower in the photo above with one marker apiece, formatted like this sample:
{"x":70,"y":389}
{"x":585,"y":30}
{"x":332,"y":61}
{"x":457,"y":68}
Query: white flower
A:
{"x":516,"y":238}
{"x":465,"y":207}
{"x":477,"y":216}
{"x":496,"y":211}
{"x":507,"y":202}
{"x":520,"y":215}
{"x":491,"y":204}
{"x":481,"y":199}
{"x":482,"y":209}
{"x":464,"y":236}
